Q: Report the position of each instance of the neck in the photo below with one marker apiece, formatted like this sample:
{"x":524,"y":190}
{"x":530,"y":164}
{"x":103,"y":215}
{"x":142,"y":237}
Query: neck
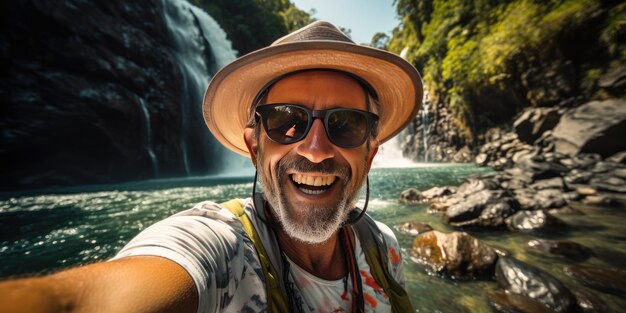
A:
{"x":324,"y":260}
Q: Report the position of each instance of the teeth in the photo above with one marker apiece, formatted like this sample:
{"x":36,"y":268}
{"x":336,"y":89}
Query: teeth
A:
{"x":313,"y":180}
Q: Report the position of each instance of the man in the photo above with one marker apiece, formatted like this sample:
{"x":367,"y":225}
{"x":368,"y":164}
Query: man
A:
{"x":310,"y":111}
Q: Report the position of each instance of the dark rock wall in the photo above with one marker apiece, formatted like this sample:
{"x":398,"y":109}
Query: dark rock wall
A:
{"x":74,"y":75}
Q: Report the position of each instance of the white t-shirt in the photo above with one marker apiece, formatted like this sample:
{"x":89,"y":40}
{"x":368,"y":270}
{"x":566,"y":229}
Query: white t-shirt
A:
{"x":209,"y":242}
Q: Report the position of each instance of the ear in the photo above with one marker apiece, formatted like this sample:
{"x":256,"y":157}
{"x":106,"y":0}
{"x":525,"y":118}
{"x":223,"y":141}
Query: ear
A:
{"x":251,"y":143}
{"x":372,"y":153}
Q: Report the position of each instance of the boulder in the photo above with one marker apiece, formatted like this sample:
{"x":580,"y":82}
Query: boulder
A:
{"x":532,"y":221}
{"x":484,"y":208}
{"x":457,"y":255}
{"x":520,"y":278}
{"x":411,"y":196}
{"x":414,"y":228}
{"x":601,"y":279}
{"x":534,"y":122}
{"x":559,"y":248}
{"x":589,"y":129}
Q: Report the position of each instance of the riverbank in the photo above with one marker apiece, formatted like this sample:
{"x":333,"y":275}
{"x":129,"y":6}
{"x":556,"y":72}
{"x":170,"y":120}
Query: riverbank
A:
{"x":555,"y":202}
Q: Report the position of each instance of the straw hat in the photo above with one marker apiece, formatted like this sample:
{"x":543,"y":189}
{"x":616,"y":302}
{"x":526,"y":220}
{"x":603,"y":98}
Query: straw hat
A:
{"x":319,"y":45}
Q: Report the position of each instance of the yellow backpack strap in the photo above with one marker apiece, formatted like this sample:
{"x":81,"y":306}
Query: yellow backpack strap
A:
{"x":375,"y":249}
{"x":276,"y":298}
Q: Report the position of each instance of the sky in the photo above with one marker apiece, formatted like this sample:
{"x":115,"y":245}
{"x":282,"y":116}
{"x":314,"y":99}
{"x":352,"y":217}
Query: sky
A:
{"x":363,"y":17}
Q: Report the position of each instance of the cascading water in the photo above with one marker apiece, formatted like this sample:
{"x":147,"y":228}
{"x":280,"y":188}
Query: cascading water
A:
{"x":149,"y":148}
{"x":390,"y":154}
{"x":200,"y":48}
{"x":425,"y":124}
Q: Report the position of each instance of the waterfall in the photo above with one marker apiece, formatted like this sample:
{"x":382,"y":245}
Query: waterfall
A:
{"x":390,"y":154}
{"x":425,"y":124}
{"x":149,"y":148}
{"x":200,"y":49}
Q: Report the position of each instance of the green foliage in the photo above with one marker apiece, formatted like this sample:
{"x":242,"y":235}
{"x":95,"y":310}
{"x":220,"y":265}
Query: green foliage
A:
{"x":253,"y":24}
{"x":485,"y":59}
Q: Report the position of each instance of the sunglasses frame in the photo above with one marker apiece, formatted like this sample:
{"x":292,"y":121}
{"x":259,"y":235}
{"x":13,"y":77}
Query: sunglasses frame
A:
{"x":371,"y":119}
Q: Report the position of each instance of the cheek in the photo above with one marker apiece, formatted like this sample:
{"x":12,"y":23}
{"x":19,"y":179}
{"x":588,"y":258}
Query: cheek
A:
{"x":270,"y":153}
{"x":357,"y":159}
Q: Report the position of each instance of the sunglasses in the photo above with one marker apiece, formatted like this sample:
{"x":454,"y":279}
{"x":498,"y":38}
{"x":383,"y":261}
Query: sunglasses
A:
{"x":289,"y":123}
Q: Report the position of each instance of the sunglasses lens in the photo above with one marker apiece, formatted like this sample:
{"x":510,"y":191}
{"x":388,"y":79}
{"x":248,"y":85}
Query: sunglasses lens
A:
{"x":347,"y":128}
{"x":286,"y":124}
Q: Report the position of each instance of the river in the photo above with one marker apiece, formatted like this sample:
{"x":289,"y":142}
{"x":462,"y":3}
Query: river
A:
{"x":55,"y":229}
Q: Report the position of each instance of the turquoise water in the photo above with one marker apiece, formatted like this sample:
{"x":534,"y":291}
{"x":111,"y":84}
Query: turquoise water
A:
{"x":56,"y":229}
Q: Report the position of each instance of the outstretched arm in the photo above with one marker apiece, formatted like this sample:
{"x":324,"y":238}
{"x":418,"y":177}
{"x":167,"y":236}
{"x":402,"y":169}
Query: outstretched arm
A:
{"x":132,"y":284}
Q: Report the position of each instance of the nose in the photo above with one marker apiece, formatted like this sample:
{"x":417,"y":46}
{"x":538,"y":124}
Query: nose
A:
{"x":316,"y":146}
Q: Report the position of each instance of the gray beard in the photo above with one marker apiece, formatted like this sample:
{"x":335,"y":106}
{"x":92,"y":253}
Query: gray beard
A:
{"x":313,"y":223}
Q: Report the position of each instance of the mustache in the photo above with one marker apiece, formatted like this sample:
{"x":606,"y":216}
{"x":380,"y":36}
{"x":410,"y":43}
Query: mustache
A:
{"x":302,"y":164}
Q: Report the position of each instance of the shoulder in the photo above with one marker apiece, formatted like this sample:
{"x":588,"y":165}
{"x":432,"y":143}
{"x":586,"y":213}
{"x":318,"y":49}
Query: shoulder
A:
{"x":394,"y":252}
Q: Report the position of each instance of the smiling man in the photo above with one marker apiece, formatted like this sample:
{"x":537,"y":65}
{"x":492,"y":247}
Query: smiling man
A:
{"x":310,"y":111}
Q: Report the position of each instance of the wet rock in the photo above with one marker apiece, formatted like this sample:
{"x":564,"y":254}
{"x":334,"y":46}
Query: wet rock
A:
{"x":411,"y":196}
{"x":532,"y":221}
{"x":484,"y":208}
{"x":537,"y":167}
{"x":481,"y":159}
{"x":523,"y":279}
{"x":600,"y":200}
{"x":609,"y":183}
{"x":414,"y":228}
{"x":588,"y":302}
{"x":603,"y":167}
{"x":551,"y":183}
{"x":578,"y":177}
{"x":620,"y":172}
{"x":550,"y":198}
{"x":534,"y":122}
{"x":586,"y":191}
{"x":601,"y":279}
{"x":619,"y":157}
{"x":456,"y":254}
{"x":474,"y":185}
{"x":582,"y":161}
{"x":436,"y":192}
{"x":566,"y":210}
{"x":560,"y":248}
{"x":588,"y":128}
{"x":526,"y":199}
{"x":515,"y":303}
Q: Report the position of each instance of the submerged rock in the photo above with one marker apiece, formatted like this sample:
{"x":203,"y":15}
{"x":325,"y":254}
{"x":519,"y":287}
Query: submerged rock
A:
{"x":414,"y":229}
{"x":516,"y":303}
{"x":588,"y":302}
{"x":520,"y":278}
{"x":560,"y":248}
{"x":601,"y":279}
{"x":457,"y":254}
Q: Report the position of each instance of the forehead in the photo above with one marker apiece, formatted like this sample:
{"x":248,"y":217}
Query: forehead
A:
{"x":320,"y":89}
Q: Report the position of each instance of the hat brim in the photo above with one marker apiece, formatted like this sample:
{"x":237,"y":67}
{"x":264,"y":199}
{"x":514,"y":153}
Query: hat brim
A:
{"x":232,"y":90}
